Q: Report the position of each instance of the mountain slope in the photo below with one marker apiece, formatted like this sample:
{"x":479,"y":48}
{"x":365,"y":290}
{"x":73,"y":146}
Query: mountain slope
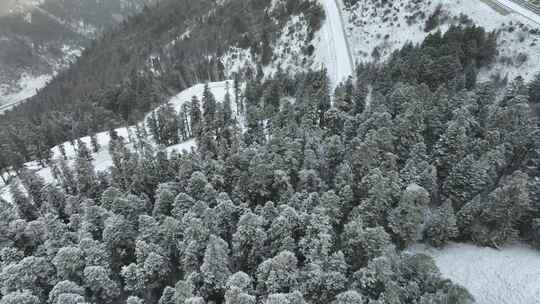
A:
{"x":376,"y":28}
{"x":297,"y":192}
{"x":40,"y":38}
{"x":102,"y":160}
{"x":128,"y":71}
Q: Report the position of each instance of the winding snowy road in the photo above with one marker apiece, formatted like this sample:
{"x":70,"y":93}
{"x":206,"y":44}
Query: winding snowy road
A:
{"x":336,"y":53}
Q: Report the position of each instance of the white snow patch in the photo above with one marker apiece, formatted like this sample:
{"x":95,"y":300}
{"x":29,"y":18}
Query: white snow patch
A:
{"x":27,"y":86}
{"x":71,"y":53}
{"x":506,"y":276}
{"x":186,"y":146}
{"x":415,"y":188}
{"x":219,"y":89}
{"x":237,"y":59}
{"x":290,"y":53}
{"x":186,"y":35}
{"x":375,"y":29}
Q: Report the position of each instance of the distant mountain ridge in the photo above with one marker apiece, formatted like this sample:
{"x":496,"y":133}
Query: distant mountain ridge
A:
{"x":39,"y":38}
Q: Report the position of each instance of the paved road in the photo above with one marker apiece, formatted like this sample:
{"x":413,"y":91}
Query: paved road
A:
{"x":337,"y":55}
{"x":521,"y":7}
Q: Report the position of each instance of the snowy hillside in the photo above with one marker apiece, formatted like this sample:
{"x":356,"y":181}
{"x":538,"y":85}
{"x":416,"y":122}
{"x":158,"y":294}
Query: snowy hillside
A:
{"x":377,"y":28}
{"x":371,"y":30}
{"x":291,"y":194}
{"x":102,"y":160}
{"x":13,"y":92}
{"x":294,"y":51}
{"x":39,"y":38}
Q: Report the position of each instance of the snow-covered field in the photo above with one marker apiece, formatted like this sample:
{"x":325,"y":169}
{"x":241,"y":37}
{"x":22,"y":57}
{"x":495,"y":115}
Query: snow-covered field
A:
{"x":510,"y":275}
{"x":103,"y":161}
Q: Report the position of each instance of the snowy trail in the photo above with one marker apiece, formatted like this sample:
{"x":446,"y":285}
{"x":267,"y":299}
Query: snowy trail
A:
{"x":336,"y":56}
{"x":522,"y":8}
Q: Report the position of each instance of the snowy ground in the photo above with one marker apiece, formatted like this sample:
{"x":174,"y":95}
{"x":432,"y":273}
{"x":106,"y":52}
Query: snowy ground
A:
{"x":289,"y":50}
{"x":386,"y":28}
{"x":507,"y":276}
{"x":103,"y":161}
{"x":520,"y":9}
{"x":372,"y":30}
{"x":219,"y":89}
{"x":28,"y":86}
{"x":333,"y":48}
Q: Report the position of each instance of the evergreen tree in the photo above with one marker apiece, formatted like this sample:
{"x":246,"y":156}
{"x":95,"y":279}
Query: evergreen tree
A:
{"x":534,"y":90}
{"x":168,"y":296}
{"x":209,"y":106}
{"x":406,"y":219}
{"x":69,"y":263}
{"x":248,"y":242}
{"x":25,"y":208}
{"x":196,"y":117}
{"x":100,"y":286}
{"x":152,"y":123}
{"x":503,"y":211}
{"x":18,"y":297}
{"x":279,"y":274}
{"x":164,"y":202}
{"x":95,"y":143}
{"x":349,"y":297}
{"x":85,"y":176}
{"x":83,"y":151}
{"x":227,"y":107}
{"x":63,"y":288}
{"x":62,"y":149}
{"x":34,"y":185}
{"x":362,"y":244}
{"x":215,"y":268}
{"x":441,"y":227}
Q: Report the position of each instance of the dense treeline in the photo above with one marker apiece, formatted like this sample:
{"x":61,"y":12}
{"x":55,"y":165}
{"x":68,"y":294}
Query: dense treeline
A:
{"x":457,"y":54}
{"x":132,"y":69}
{"x":312,"y":202}
{"x":35,"y":41}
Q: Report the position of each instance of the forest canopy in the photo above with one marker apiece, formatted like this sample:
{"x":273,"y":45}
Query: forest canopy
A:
{"x":315,"y":201}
